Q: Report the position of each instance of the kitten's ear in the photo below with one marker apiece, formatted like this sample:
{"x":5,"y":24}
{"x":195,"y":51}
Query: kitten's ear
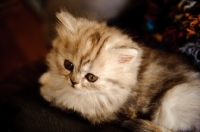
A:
{"x":125,"y":55}
{"x":67,"y":20}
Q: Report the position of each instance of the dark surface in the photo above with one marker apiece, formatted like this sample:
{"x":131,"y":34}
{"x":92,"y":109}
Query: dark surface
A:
{"x":26,"y":111}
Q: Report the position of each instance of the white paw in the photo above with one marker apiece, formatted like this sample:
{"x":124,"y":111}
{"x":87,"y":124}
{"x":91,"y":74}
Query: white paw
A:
{"x":45,"y":78}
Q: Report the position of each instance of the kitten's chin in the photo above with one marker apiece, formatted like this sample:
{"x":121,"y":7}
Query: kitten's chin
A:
{"x":77,"y":87}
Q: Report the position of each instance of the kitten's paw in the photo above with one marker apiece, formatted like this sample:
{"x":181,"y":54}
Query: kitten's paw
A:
{"x":46,"y":93}
{"x":45,"y":78}
{"x":45,"y":90}
{"x":139,"y":125}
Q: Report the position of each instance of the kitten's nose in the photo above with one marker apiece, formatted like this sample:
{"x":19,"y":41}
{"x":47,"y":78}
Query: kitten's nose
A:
{"x":74,"y":78}
{"x":73,"y":82}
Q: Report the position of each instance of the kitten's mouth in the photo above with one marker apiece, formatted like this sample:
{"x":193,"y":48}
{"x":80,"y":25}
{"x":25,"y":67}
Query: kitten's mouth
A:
{"x":73,"y":86}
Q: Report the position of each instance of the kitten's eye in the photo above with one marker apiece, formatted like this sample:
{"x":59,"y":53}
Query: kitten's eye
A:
{"x":90,"y":77}
{"x":68,"y":65}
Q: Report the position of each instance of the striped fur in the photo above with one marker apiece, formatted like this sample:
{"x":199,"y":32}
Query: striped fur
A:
{"x":147,"y":89}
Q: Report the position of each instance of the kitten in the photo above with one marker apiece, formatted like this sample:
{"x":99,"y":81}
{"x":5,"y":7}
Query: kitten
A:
{"x":105,"y":76}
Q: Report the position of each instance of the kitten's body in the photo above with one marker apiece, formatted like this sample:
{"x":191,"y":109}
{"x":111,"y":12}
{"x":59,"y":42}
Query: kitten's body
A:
{"x":133,"y":82}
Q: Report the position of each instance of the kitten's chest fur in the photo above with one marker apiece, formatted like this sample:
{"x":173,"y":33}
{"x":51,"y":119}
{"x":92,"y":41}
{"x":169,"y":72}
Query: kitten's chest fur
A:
{"x":96,"y":107}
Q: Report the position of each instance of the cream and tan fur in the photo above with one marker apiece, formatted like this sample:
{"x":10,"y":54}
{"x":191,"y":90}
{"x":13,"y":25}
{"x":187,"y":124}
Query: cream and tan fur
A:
{"x":144,"y":88}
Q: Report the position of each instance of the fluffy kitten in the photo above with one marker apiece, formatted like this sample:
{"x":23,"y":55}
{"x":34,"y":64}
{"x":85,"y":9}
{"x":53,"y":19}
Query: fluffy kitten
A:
{"x":105,"y":76}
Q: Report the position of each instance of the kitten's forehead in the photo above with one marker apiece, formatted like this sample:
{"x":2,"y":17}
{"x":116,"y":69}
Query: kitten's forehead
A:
{"x":82,"y":41}
{"x":90,"y":48}
{"x":85,"y":41}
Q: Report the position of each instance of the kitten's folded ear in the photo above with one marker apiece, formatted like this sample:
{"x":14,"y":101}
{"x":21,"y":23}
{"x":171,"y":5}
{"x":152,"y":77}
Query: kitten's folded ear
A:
{"x":126,"y":55}
{"x":67,"y":21}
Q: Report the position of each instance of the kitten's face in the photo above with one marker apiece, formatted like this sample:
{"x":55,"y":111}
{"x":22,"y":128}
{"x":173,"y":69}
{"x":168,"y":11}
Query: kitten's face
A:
{"x":89,"y":60}
{"x":92,"y":56}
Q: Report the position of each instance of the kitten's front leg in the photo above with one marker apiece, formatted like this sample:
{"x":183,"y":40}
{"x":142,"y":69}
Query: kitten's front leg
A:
{"x":139,"y":125}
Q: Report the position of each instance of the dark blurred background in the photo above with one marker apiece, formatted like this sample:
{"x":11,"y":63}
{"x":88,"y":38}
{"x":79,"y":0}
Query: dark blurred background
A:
{"x":26,"y":26}
{"x":21,"y":38}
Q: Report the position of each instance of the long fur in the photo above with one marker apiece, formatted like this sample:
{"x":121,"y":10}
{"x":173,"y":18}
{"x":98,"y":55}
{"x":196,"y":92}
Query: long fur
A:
{"x":146,"y":89}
